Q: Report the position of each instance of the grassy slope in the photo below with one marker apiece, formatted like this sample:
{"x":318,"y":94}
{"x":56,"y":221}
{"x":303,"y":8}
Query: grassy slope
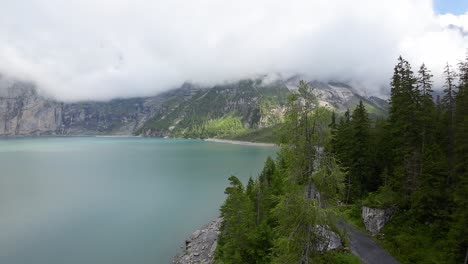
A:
{"x":213,"y":107}
{"x":263,"y":135}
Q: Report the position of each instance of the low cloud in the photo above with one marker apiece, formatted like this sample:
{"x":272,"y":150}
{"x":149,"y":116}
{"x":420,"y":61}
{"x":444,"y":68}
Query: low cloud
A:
{"x":88,"y":49}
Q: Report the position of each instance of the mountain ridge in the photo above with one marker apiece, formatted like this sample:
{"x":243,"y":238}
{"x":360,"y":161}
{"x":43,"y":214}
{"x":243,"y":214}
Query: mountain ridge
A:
{"x":189,"y":111}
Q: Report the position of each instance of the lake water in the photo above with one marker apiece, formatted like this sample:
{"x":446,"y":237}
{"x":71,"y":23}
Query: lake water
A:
{"x":93,"y":200}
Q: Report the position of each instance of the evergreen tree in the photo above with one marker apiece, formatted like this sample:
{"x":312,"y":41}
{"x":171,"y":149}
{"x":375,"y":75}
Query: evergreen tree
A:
{"x":425,"y":82}
{"x":250,"y":189}
{"x":461,"y":121}
{"x":341,"y":146}
{"x":298,"y":218}
{"x":449,"y":90}
{"x":380,"y":148}
{"x":458,"y":232}
{"x":334,"y":129}
{"x":448,"y":104}
{"x":404,"y":121}
{"x":360,"y":170}
{"x":427,"y":111}
{"x":430,"y":200}
{"x":238,"y":223}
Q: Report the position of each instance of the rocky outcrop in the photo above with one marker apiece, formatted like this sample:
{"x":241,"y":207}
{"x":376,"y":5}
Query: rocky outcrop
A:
{"x":23,"y":111}
{"x":376,"y":218}
{"x":201,"y":246}
{"x":329,"y":240}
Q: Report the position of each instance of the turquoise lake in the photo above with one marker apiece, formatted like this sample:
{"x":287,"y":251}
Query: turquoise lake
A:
{"x":98,"y":200}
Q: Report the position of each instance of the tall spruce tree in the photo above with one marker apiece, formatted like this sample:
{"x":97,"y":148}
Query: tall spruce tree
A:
{"x":343,"y":133}
{"x":461,"y":121}
{"x":361,"y":169}
{"x":427,"y":109}
{"x":429,"y":202}
{"x":405,"y":129}
{"x":459,"y":232}
{"x":333,"y":129}
{"x":237,"y":227}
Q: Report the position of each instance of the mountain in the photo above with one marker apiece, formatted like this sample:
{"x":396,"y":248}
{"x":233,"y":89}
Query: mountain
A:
{"x":25,"y":112}
{"x":220,"y":110}
{"x":190,"y":111}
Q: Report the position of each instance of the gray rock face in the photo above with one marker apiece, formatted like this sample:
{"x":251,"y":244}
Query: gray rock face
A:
{"x":25,"y":112}
{"x":376,"y":218}
{"x":201,"y":246}
{"x":329,"y":239}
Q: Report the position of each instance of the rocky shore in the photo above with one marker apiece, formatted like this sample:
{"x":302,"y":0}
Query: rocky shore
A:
{"x":201,"y":246}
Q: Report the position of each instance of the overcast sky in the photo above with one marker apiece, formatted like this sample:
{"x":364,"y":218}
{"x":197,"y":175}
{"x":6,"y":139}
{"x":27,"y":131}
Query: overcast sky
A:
{"x":100,"y":49}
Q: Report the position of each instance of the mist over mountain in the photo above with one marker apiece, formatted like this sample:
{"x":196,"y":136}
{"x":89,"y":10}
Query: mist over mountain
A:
{"x":99,"y":50}
{"x":189,"y":111}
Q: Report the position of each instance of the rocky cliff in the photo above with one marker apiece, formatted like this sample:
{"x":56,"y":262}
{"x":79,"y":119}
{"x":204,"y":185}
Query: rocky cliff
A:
{"x":23,"y":111}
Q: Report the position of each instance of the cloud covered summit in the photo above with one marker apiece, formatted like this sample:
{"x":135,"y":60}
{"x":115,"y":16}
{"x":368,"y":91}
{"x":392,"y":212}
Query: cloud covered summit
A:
{"x":87,"y":49}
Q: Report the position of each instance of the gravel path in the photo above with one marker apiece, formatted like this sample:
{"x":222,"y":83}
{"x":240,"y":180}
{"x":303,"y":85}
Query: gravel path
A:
{"x":365,"y":247}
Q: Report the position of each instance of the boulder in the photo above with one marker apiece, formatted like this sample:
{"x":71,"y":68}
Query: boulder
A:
{"x":329,"y":240}
{"x":376,"y":218}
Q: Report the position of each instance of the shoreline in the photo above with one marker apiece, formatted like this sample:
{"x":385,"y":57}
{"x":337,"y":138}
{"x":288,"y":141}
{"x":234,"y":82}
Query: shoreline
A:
{"x":214,"y":140}
{"x":236,"y":142}
{"x":201,"y":246}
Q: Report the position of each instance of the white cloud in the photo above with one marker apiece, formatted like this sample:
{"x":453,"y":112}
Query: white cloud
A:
{"x":82,"y":49}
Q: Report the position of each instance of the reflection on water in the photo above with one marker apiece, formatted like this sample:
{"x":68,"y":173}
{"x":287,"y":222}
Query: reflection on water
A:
{"x":111,"y":200}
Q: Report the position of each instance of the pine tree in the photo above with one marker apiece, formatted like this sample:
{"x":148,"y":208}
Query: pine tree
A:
{"x":427,"y":111}
{"x":334,"y":129}
{"x":448,"y":104}
{"x":341,"y":145}
{"x":430,"y":200}
{"x":425,"y":82}
{"x":461,"y":121}
{"x":360,"y":170}
{"x":405,"y":124}
{"x":237,"y":227}
{"x":380,"y":148}
{"x":459,"y":232}
{"x":449,"y":89}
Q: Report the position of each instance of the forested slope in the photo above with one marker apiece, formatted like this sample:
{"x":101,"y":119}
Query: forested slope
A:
{"x":415,"y":161}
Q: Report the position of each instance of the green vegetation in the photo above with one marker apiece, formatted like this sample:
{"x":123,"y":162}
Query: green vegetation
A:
{"x":338,"y":258}
{"x":280,"y":216}
{"x":384,"y":197}
{"x":352,"y":213}
{"x":222,"y":111}
{"x":264,"y":135}
{"x":258,"y":106}
{"x":416,"y":161}
{"x":410,"y":241}
{"x":222,"y":127}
